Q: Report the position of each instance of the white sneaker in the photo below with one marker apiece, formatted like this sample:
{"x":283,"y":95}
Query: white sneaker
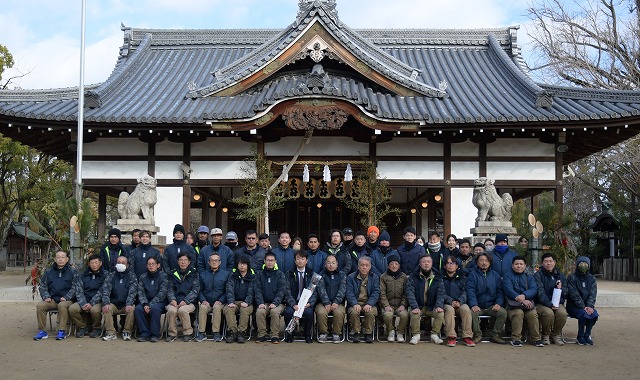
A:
{"x":110,"y":337}
{"x":126,"y":336}
{"x":322,"y":338}
{"x":436,"y":339}
{"x":415,"y":339}
{"x":336,"y":338}
{"x":400,"y":338}
{"x":392,"y":336}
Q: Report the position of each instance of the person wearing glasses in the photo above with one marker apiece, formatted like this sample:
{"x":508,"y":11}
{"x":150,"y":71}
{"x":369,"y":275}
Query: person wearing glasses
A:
{"x":213,"y":297}
{"x":183,"y":290}
{"x":269,"y":292}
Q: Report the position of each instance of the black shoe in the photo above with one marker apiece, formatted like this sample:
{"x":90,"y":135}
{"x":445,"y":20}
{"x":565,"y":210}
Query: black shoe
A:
{"x":95,"y":333}
{"x":187,"y":338}
{"x":368,"y":338}
{"x":81,"y":333}
{"x":288,"y":338}
{"x":356,"y":338}
{"x":275,"y":340}
{"x":231,"y":337}
{"x":308,"y":339}
{"x":143,"y":338}
{"x":261,"y":339}
{"x":240,"y":339}
{"x":170,"y":338}
{"x":154,"y":339}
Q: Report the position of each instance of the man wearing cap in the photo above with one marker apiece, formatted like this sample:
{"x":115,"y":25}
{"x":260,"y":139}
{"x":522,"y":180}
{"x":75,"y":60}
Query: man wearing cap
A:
{"x":231,"y":240}
{"x":269,"y":292}
{"x":203,"y":239}
{"x":384,"y":250}
{"x":171,"y":252}
{"x":336,"y":247}
{"x":347,"y":237}
{"x":502,"y":256}
{"x":393,"y":299}
{"x":227,"y":257}
{"x":254,"y":252}
{"x":112,"y":249}
{"x":373,"y":233}
{"x":410,"y":252}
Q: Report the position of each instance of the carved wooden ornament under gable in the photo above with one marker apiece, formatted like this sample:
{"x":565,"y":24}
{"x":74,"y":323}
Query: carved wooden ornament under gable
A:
{"x":301,"y":117}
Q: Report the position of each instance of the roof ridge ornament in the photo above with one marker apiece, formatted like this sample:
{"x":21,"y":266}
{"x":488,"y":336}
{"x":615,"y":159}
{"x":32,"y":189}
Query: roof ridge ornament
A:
{"x":308,"y":7}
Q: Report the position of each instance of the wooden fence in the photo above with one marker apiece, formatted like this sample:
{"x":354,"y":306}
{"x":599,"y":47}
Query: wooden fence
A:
{"x":621,"y":269}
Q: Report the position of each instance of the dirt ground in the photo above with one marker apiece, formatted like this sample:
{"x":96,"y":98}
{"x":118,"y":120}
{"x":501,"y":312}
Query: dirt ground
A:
{"x":613,"y":356}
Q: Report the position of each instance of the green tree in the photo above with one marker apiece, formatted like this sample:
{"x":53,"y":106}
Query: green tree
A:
{"x":6,"y":62}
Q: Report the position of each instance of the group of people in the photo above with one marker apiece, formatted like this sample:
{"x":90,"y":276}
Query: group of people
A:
{"x":361,"y":278}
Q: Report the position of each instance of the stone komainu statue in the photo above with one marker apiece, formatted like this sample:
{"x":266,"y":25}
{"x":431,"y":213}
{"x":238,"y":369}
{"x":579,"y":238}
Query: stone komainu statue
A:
{"x":491,"y":207}
{"x":139,"y":204}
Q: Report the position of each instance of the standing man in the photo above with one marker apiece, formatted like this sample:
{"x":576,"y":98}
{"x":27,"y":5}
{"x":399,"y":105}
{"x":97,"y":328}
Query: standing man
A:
{"x":139,"y":256}
{"x":118,"y":296}
{"x":231,"y":240}
{"x":284,"y":253}
{"x":552,"y":317}
{"x":135,"y":239}
{"x":270,"y":290}
{"x":485,"y":297}
{"x":213,"y":296}
{"x":502,"y":256}
{"x":455,"y":303}
{"x":466,"y":263}
{"x":203,"y":239}
{"x":373,"y":233}
{"x":331,"y":292}
{"x":171,"y":252}
{"x":409,"y":252}
{"x":227,"y":257}
{"x":347,"y":236}
{"x":363,"y":294}
{"x":254,"y":252}
{"x":316,"y":255}
{"x":393,"y":299}
{"x":297,"y":281}
{"x":425,"y":294}
{"x":88,"y":294}
{"x":112,"y":249}
{"x":384,"y":251}
{"x":338,"y":249}
{"x":183,"y":289}
{"x":57,"y":291}
{"x":239,"y":290}
{"x":436,"y":249}
{"x":358,"y":249}
{"x":152,"y":299}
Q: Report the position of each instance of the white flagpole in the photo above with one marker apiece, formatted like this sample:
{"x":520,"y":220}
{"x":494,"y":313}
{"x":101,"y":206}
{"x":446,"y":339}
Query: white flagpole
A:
{"x":75,"y":241}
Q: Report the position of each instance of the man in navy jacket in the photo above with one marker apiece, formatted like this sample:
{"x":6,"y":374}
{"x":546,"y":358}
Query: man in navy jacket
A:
{"x":89,"y":298}
{"x":118,"y":296}
{"x":485,"y":297}
{"x":363,"y":294}
{"x":425,"y":295}
{"x":182,"y":293}
{"x":213,"y":297}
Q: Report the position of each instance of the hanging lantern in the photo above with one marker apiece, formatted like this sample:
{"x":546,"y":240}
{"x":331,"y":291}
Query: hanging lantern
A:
{"x":305,"y":173}
{"x":326,"y":174}
{"x":285,"y":173}
{"x":348,"y":174}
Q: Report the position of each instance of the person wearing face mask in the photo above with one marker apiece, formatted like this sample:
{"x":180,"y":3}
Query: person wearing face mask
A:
{"x":118,"y":296}
{"x":436,"y":249}
{"x":171,"y":252}
{"x":112,"y":249}
{"x":488,"y":245}
{"x":139,"y":256}
{"x":409,"y":252}
{"x":583,"y":291}
{"x":381,"y":254}
{"x":231,"y":240}
{"x":502,"y":256}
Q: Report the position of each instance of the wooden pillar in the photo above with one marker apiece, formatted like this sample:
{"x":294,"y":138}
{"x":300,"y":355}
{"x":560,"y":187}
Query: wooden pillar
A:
{"x":151,"y":164}
{"x":447,"y":189}
{"x":559,"y":190}
{"x":186,"y":188}
{"x":482,"y":160}
{"x":102,"y":215}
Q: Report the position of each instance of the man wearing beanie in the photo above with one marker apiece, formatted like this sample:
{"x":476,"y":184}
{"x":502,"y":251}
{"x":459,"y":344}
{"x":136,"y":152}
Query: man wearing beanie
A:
{"x":393,"y":299}
{"x":409,"y":252}
{"x":582,"y":299}
{"x":502,"y":256}
{"x":384,"y":250}
{"x":171,"y":252}
{"x":372,"y":237}
{"x":112,"y":249}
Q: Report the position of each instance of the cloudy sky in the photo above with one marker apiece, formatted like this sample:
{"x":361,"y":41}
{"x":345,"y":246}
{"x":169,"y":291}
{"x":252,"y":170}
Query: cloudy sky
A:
{"x":44,"y":35}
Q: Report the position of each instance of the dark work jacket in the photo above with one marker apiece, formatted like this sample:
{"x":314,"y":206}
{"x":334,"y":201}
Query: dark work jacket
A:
{"x":316,"y":260}
{"x":501,"y":263}
{"x":357,"y":252}
{"x":241,"y":288}
{"x":332,"y":288}
{"x":484,"y":289}
{"x":353,"y":289}
{"x":152,"y":288}
{"x":285,"y":258}
{"x":213,"y":286}
{"x":88,"y":286}
{"x":227,"y":258}
{"x":547,"y":283}
{"x":342,"y":257}
{"x":515,"y":284}
{"x":439,"y":257}
{"x":184,"y":286}
{"x":293,"y":288}
{"x":583,"y":290}
{"x":255,"y":256}
{"x":110,"y":253}
{"x":170,"y":257}
{"x":455,"y":287}
{"x":379,"y":259}
{"x":270,"y":287}
{"x":466,"y":264}
{"x":56,"y":283}
{"x":416,"y":284}
{"x":139,"y":256}
{"x":120,"y":289}
{"x":200,"y":245}
{"x":410,"y":257}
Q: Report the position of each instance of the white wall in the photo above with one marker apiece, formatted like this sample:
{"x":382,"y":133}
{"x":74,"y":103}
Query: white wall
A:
{"x":168,"y":210}
{"x":115,"y":147}
{"x":465,"y":170}
{"x":318,"y":146}
{"x":411,"y":169}
{"x":463,"y":213}
{"x":114,"y":169}
{"x":520,"y":147}
{"x":524,"y":171}
{"x":410,"y":147}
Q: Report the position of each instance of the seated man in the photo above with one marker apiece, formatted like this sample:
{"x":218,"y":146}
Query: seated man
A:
{"x":88,"y":294}
{"x":239,"y":290}
{"x":363,"y":294}
{"x":182,"y":293}
{"x":425,"y":295}
{"x":552,"y":317}
{"x":57,"y":291}
{"x":118,"y":296}
{"x":270,"y":289}
{"x":213,"y":288}
{"x":393,"y":299}
{"x":152,"y":298}
{"x":455,"y":302}
{"x":485,"y":297}
{"x":139,"y":256}
{"x":521,"y":290}
{"x":331,"y":292}
{"x":583,"y":291}
{"x":297,"y":281}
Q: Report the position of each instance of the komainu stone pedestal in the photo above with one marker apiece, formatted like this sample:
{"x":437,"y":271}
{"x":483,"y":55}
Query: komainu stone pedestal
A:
{"x":128,"y":225}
